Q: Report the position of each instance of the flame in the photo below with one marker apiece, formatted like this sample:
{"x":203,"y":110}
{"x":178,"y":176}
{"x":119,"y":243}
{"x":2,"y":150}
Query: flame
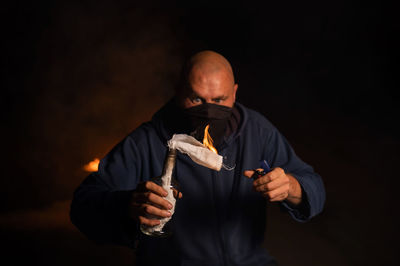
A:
{"x":92,"y":166}
{"x":208,"y":141}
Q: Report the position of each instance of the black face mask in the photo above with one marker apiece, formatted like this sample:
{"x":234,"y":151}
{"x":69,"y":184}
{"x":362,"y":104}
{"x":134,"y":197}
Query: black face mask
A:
{"x":198,"y":117}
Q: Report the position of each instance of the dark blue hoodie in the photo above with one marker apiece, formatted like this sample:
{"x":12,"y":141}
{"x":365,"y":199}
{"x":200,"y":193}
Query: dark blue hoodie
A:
{"x":219,"y":221}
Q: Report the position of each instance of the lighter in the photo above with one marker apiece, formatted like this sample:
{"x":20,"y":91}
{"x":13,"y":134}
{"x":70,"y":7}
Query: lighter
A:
{"x":265,"y":169}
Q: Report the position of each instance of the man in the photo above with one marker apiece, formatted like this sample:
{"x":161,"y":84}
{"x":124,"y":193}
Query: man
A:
{"x":220,"y":219}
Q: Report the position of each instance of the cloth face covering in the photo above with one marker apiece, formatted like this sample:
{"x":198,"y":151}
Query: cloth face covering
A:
{"x":198,"y":117}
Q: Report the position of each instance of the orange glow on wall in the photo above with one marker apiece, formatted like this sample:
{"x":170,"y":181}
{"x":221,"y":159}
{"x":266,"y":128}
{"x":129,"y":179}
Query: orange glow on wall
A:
{"x":92,"y":166}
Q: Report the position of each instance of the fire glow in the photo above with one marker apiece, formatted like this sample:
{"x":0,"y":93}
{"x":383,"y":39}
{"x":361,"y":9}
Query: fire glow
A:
{"x":92,"y":166}
{"x":208,"y":141}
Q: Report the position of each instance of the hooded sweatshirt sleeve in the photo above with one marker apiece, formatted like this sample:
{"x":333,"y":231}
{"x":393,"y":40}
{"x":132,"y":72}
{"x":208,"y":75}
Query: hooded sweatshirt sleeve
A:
{"x":279,"y":153}
{"x":99,"y":205}
{"x":313,"y":191}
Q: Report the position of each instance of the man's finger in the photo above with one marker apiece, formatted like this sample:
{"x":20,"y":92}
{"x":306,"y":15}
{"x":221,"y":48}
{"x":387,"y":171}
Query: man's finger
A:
{"x":279,"y":197}
{"x":276,"y":173}
{"x":148,"y":222}
{"x":264,"y":187}
{"x":249,"y":173}
{"x":154,"y":211}
{"x":252,"y":173}
{"x":157,"y":200}
{"x":271,"y":185}
{"x":262,"y":180}
{"x":177,"y":193}
{"x":153,"y":187}
{"x":276,"y":192}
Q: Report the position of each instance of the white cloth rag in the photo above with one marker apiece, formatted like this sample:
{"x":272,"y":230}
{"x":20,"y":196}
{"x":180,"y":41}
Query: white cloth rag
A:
{"x":196,"y":151}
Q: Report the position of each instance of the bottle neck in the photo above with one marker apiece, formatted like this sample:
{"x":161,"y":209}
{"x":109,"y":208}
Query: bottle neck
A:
{"x":169,"y":164}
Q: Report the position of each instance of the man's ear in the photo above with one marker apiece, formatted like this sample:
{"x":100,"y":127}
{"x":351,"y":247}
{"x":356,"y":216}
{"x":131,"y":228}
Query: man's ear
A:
{"x":235,"y":87}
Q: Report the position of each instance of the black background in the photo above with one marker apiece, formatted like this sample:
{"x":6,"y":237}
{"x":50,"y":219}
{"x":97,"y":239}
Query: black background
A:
{"x":78,"y":76}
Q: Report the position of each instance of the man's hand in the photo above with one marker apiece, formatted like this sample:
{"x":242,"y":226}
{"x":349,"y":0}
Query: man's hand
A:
{"x":277,"y":186}
{"x":147,"y":201}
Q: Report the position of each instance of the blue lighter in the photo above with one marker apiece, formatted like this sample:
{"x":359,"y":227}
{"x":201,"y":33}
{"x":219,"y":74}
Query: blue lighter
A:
{"x":265,"y":169}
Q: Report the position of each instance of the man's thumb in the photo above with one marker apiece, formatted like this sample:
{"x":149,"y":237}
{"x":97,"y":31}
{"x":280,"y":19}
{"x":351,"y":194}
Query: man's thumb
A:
{"x":248,"y":173}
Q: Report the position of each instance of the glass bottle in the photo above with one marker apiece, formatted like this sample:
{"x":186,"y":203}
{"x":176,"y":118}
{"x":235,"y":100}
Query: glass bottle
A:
{"x":169,"y":183}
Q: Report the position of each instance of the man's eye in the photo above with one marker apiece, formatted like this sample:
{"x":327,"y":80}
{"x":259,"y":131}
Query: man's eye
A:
{"x":196,"y":100}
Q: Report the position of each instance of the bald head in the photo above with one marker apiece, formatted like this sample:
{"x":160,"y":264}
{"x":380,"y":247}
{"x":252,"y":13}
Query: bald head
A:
{"x":207,"y":77}
{"x":208,"y":63}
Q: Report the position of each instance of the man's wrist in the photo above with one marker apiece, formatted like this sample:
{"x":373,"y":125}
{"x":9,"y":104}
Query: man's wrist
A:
{"x":295,"y":193}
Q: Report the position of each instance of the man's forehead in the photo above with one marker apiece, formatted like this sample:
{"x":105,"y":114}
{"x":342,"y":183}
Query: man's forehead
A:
{"x":210,"y":89}
{"x":208,"y":94}
{"x":209,"y":72}
{"x":218,"y":79}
